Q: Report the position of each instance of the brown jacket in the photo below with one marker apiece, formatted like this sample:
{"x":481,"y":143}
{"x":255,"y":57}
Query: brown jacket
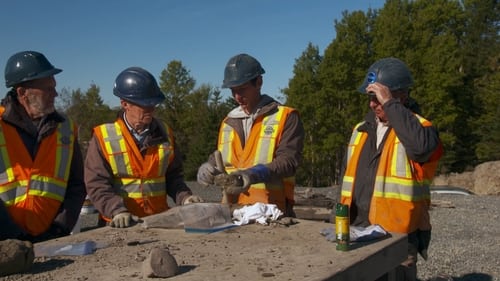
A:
{"x":99,"y":175}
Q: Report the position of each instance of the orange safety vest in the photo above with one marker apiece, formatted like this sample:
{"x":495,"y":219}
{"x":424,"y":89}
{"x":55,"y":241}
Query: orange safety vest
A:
{"x":260,"y":147}
{"x":401,"y":196}
{"x":140,"y":180}
{"x":34,"y":189}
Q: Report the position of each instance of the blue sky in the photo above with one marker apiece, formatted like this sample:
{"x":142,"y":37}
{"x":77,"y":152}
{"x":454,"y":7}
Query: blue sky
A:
{"x":93,"y":40}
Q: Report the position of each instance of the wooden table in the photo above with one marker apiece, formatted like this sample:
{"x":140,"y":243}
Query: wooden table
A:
{"x":250,"y":252}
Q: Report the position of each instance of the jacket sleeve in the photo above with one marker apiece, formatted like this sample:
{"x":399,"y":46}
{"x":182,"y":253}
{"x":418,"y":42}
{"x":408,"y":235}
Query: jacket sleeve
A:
{"x":289,"y":151}
{"x":420,"y":142}
{"x":98,"y":181}
{"x":175,"y":184}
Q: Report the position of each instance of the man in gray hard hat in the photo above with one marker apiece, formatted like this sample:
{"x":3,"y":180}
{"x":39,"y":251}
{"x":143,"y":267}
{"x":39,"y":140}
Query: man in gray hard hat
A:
{"x":260,"y":141}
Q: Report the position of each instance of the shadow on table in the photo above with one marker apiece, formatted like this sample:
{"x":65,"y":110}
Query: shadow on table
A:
{"x":185,"y":269}
{"x":472,"y":277}
{"x":50,"y":264}
{"x":356,"y":245}
{"x":467,"y":277}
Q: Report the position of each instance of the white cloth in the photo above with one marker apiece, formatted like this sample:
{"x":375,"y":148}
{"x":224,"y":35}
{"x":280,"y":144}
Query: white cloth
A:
{"x":374,"y":231}
{"x":259,"y":212}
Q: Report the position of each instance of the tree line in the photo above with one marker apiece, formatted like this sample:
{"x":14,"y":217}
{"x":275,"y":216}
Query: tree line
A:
{"x":451,"y":47}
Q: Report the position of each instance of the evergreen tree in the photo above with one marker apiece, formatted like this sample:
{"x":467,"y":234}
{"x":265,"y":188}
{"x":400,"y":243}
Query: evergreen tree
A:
{"x":176,"y":83}
{"x":424,"y":34}
{"x":302,"y":94}
{"x":78,"y":106}
{"x":479,"y":107}
{"x":341,"y":73}
{"x":202,"y":120}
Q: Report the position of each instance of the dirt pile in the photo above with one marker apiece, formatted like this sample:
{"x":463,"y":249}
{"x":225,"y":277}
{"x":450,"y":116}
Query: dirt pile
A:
{"x":484,"y":180}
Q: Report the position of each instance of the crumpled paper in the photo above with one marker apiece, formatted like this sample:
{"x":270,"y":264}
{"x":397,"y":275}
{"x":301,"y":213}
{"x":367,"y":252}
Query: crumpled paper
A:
{"x":357,"y":233}
{"x":258,"y":212}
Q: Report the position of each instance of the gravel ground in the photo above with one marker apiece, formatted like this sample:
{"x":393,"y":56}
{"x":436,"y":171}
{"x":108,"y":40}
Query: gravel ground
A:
{"x":465,"y":238}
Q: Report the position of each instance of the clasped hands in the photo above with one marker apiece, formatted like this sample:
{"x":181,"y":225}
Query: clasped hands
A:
{"x":234,"y":183}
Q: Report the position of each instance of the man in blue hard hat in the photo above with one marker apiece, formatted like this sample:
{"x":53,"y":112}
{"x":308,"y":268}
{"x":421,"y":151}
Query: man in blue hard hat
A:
{"x":133,"y":164}
{"x":391,"y":160}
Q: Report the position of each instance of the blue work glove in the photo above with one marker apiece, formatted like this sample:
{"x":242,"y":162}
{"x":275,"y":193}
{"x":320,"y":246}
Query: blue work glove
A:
{"x":256,"y":174}
{"x":207,"y":173}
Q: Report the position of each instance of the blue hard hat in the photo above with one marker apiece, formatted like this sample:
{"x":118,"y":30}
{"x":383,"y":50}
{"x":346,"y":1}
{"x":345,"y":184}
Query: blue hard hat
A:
{"x":138,"y":86}
{"x":391,"y":72}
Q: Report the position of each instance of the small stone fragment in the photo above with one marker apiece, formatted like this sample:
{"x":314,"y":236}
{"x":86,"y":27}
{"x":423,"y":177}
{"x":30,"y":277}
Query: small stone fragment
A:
{"x":159,"y":263}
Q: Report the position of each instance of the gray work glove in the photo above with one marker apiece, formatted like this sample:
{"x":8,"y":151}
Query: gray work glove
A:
{"x":123,"y":220}
{"x":206,"y":174}
{"x":245,"y":178}
{"x":192,"y":199}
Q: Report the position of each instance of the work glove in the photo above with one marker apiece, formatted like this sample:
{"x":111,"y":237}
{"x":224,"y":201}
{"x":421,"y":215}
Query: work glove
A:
{"x":123,"y":220}
{"x":206,"y":174}
{"x":192,"y":199}
{"x":245,"y":178}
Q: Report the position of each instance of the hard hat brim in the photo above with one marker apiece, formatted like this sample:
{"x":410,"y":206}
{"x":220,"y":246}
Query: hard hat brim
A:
{"x":44,"y":74}
{"x":146,"y":102}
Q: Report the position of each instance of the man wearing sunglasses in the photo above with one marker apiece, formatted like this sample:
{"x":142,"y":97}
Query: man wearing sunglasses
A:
{"x":390,"y":163}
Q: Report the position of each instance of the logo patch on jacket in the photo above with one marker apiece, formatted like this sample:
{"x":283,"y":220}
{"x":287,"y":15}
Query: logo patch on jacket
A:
{"x":269,"y":130}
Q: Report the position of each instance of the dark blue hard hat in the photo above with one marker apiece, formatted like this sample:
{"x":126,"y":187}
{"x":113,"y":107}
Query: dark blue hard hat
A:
{"x":391,"y":72}
{"x":138,"y":86}
{"x":241,"y":69}
{"x":26,"y":66}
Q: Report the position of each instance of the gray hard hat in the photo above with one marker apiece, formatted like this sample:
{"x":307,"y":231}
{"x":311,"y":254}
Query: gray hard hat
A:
{"x":241,"y":69}
{"x":138,"y":86}
{"x":26,"y":66}
{"x":391,"y":72}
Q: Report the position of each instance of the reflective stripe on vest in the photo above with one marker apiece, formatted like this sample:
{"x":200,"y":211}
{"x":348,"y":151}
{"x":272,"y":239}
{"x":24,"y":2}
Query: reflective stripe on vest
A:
{"x":134,"y":176}
{"x":353,"y":152}
{"x":14,"y":188}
